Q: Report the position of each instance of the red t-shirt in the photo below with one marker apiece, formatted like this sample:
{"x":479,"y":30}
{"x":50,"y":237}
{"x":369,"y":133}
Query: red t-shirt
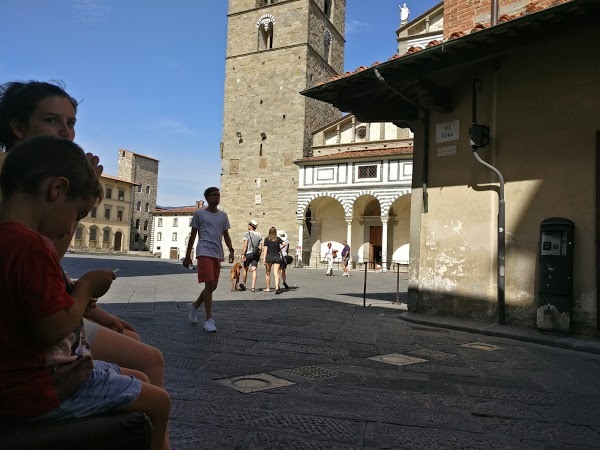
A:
{"x":34,"y":379}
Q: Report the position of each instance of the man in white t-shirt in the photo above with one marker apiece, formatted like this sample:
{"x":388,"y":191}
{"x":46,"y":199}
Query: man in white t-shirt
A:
{"x":212,"y":227}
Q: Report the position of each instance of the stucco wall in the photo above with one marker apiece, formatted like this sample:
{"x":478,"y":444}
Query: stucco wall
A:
{"x":543,"y":142}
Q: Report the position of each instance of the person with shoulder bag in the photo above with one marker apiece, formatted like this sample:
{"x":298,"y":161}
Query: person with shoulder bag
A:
{"x":251,"y":252}
{"x":285,"y":258}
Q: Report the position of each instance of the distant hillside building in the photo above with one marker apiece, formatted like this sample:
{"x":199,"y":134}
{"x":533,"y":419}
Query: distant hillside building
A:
{"x":143,"y":171}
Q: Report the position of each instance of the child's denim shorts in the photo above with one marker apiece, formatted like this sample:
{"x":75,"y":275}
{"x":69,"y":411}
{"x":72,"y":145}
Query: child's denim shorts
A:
{"x":106,"y":390}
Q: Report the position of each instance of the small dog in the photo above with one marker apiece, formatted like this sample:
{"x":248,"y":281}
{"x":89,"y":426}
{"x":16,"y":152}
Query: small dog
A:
{"x":234,"y":274}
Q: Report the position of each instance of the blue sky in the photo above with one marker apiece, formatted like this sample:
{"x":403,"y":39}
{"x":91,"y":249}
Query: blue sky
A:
{"x":149,"y":73}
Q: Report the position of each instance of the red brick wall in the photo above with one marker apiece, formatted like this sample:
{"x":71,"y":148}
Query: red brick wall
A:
{"x":463,"y":15}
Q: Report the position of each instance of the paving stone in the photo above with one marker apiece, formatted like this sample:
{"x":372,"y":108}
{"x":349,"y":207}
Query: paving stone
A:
{"x":397,"y":436}
{"x":540,"y":431}
{"x":341,"y":408}
{"x":214,"y":414}
{"x":524,"y":396}
{"x":188,"y":437}
{"x":445,"y":370}
{"x":303,"y":348}
{"x":326,"y":428}
{"x":441,"y":418}
{"x":574,"y":416}
{"x":272,"y":441}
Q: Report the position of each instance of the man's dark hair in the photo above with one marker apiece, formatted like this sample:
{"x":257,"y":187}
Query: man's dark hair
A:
{"x":209,"y":191}
{"x":31,"y":162}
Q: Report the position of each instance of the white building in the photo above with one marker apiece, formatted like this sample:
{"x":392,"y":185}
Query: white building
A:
{"x":356,"y":187}
{"x":171,"y":231}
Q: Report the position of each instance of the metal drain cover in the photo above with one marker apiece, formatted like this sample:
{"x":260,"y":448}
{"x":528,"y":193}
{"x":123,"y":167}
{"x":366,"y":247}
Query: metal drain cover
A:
{"x":313,"y":372}
{"x":397,"y":359}
{"x":432,"y":354}
{"x":254,"y":383}
{"x":481,"y":346}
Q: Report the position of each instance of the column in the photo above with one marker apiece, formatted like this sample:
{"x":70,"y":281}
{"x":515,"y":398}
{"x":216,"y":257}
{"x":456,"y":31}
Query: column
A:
{"x":349,"y":233}
{"x":384,"y":244}
{"x":300,"y":262}
{"x":353,"y":129}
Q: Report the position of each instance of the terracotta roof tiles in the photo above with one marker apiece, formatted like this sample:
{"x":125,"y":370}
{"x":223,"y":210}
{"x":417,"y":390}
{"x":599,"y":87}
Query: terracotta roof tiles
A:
{"x":182,"y":210}
{"x":362,"y":153}
{"x":532,"y":7}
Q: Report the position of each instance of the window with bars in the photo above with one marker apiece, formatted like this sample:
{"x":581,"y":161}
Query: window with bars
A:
{"x":106,"y":235}
{"x":367,"y":172}
{"x":93,"y":234}
{"x":79,"y":232}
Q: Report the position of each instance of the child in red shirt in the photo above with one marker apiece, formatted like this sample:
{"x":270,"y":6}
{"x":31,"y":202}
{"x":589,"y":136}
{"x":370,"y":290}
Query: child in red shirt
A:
{"x":47,"y":372}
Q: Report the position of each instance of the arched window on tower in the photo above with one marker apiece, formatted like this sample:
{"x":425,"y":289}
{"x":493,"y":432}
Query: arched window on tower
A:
{"x":327,"y":9}
{"x":265,"y":32}
{"x":327,"y":38}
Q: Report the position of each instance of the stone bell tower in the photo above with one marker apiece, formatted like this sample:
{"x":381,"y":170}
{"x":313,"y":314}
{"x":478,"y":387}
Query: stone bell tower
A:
{"x":275,"y":49}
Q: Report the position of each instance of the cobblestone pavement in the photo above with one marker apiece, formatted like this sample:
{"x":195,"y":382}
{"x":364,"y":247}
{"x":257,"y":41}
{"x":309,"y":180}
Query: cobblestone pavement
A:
{"x":497,"y":393}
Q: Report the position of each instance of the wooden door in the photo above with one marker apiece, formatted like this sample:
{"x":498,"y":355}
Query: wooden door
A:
{"x":375,"y":237}
{"x":118,"y":237}
{"x":174,"y":253}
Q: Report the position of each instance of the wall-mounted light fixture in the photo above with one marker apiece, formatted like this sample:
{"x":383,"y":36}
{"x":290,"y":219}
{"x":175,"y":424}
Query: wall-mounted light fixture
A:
{"x":263,"y":136}
{"x":238,"y":134}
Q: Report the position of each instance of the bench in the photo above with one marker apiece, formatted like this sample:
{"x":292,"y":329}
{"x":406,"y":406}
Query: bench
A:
{"x":114,"y":431}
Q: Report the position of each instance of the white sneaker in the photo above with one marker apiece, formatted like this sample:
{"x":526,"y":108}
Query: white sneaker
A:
{"x":209,"y":325}
{"x":193,"y":314}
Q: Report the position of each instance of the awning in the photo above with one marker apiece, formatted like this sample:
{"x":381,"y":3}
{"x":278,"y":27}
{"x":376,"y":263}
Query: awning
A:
{"x":410,"y":76}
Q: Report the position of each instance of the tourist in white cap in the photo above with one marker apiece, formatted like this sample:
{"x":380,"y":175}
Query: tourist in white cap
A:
{"x":251,"y":251}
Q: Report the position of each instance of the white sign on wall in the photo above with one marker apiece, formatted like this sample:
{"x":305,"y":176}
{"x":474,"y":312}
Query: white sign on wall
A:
{"x":447,"y":151}
{"x":447,"y":131}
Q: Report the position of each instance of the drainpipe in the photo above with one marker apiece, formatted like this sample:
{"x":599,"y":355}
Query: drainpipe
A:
{"x":478,"y":139}
{"x":494,"y":13}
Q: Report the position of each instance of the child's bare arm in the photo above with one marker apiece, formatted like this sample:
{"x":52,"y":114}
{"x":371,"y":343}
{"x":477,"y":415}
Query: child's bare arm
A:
{"x":57,"y":326}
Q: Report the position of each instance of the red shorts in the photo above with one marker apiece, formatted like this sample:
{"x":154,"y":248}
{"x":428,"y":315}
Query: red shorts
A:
{"x":208,"y":269}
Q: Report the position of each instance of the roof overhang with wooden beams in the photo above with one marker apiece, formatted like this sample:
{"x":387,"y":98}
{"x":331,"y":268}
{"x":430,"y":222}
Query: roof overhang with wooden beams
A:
{"x":407,"y":81}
